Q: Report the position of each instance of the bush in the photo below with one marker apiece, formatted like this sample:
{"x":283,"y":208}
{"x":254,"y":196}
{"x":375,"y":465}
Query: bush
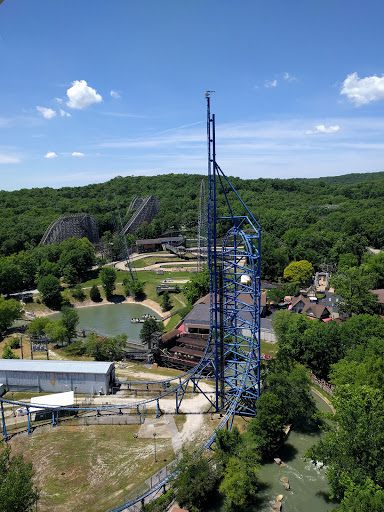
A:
{"x":8,"y":354}
{"x":14,"y":342}
{"x":78,"y":293}
{"x":95,"y":294}
{"x":76,"y":349}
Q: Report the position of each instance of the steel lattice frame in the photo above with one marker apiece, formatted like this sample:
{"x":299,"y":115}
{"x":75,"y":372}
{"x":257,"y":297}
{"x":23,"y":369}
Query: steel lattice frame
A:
{"x":202,"y":227}
{"x":234,"y":347}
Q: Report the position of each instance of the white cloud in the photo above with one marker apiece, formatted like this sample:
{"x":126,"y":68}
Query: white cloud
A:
{"x":289,"y":77}
{"x":59,"y":100}
{"x":320,"y":128}
{"x":363,"y":90}
{"x":50,"y":154}
{"x":76,"y":153}
{"x":63,"y":113}
{"x":115,"y":94}
{"x":8,"y":159}
{"x":272,"y":83}
{"x":81,"y":96}
{"x":47,"y":113}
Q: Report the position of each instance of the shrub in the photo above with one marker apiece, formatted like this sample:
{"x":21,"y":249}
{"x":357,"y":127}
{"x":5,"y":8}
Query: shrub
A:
{"x":95,"y":294}
{"x":14,"y":342}
{"x":78,"y":293}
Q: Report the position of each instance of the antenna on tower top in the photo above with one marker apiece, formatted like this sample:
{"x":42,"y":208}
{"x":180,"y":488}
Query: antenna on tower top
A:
{"x":208,"y":93}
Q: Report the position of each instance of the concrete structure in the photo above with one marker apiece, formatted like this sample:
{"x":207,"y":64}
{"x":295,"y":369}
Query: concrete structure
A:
{"x":85,"y":377}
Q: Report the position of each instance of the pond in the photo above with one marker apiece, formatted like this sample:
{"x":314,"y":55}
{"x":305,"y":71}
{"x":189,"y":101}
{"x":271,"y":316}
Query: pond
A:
{"x":308,"y":481}
{"x":112,"y":319}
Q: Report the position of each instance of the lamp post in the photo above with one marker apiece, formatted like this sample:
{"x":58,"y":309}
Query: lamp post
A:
{"x":13,"y":410}
{"x":154,"y":440}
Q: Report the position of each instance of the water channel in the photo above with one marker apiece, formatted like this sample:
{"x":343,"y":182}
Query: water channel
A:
{"x":112,"y":319}
{"x":308,"y":482}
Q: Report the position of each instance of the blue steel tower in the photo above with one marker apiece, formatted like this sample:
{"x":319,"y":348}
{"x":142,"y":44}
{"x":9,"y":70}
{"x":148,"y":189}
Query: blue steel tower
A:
{"x":233,"y":355}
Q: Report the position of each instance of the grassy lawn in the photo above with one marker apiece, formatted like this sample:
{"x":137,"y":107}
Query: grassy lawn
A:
{"x":89,"y":468}
{"x":94,"y":278}
{"x":174,"y":320}
{"x":134,"y":368}
{"x":268,"y":348}
{"x":180,"y":420}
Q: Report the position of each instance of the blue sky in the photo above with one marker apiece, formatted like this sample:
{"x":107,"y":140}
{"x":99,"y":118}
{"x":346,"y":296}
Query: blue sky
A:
{"x":95,"y":89}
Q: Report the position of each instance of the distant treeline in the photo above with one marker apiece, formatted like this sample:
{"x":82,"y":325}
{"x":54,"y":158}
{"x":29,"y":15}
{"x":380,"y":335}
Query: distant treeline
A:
{"x":314,"y":219}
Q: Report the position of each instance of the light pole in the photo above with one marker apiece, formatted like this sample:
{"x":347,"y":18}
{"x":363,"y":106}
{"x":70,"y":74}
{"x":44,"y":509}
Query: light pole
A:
{"x":13,"y":410}
{"x":154,"y":440}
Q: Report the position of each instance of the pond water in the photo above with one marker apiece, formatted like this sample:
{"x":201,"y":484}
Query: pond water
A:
{"x":309,"y":484}
{"x":112,"y":319}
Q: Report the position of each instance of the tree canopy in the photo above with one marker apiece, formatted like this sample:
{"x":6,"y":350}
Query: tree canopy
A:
{"x":298,"y":271}
{"x":10,"y":310}
{"x":108,"y":278}
{"x":17,"y":491}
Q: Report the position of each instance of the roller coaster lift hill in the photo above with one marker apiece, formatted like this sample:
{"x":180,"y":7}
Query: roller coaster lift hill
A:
{"x":232,"y":356}
{"x":234,"y":347}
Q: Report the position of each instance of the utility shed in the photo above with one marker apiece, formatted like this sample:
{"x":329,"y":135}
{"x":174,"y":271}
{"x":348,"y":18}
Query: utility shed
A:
{"x":86,"y":377}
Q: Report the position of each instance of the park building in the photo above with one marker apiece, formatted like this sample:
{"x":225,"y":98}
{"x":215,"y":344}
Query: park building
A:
{"x":84,"y":377}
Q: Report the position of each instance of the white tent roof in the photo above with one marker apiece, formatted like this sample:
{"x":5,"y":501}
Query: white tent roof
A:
{"x":66,"y":399}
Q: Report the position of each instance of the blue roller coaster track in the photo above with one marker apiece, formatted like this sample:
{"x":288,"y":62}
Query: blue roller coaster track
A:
{"x":232,"y":356}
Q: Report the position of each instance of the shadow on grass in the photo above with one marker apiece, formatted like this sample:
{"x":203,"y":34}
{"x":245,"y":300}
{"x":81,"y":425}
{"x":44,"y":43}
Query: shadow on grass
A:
{"x":116,"y":299}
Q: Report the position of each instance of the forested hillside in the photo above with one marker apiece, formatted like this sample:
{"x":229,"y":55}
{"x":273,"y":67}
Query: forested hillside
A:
{"x":313,"y":219}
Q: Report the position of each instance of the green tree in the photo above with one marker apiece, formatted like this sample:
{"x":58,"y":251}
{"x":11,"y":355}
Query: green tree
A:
{"x":266,"y":429}
{"x":10,"y":310}
{"x":17,"y":491}
{"x":134,"y":288}
{"x":106,"y":349}
{"x":10,"y":276}
{"x":50,"y":289}
{"x":228,"y":443}
{"x":149,"y":327}
{"x":38,"y":326}
{"x":56,"y":331}
{"x":70,"y":275}
{"x":94,"y":294}
{"x":240,"y":483}
{"x":353,"y":448}
{"x":347,"y":260}
{"x":363,"y":365}
{"x":166,"y":303}
{"x":353,"y":285}
{"x":195,"y":482}
{"x":363,"y":497}
{"x":299,"y":271}
{"x":198,"y":286}
{"x":276,"y":295}
{"x":78,"y":293}
{"x":70,"y":319}
{"x":78,"y":254}
{"x":8,"y":353}
{"x":108,"y":278}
